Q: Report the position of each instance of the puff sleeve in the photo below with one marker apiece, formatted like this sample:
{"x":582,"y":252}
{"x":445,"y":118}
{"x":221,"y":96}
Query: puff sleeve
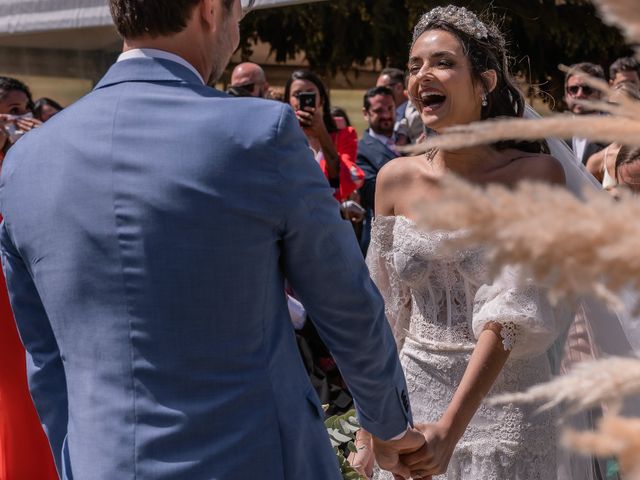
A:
{"x":530,"y":325}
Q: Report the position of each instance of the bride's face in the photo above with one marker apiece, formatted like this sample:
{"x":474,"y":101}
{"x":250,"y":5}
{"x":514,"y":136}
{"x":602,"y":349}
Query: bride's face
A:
{"x":441,"y":84}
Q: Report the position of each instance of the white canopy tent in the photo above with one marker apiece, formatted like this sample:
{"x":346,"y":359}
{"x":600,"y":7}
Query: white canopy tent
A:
{"x":72,"y":38}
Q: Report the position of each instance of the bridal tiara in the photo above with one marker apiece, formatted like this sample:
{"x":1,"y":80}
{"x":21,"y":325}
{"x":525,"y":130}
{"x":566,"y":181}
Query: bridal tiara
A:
{"x":461,"y":18}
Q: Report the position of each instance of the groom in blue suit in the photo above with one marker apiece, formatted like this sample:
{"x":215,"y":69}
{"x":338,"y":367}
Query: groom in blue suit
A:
{"x":148,"y":232}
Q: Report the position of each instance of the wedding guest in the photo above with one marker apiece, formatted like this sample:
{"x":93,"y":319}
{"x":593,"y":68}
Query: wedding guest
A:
{"x":45,"y":108}
{"x":602,"y":164}
{"x":341,"y":117}
{"x":248,"y":80}
{"x":408,"y":127}
{"x":627,"y":169}
{"x":24,"y":450}
{"x":16,"y":108}
{"x":625,"y":69}
{"x":577,"y":90}
{"x":335,"y":149}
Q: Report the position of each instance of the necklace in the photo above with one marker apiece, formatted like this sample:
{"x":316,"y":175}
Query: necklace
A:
{"x":430,"y":154}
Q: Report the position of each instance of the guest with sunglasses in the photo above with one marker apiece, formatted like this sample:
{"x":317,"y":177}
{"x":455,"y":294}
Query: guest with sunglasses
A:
{"x":575,"y":91}
{"x":248,"y":80}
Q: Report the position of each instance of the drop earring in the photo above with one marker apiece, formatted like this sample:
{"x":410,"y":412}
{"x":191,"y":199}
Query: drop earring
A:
{"x":484,"y":101}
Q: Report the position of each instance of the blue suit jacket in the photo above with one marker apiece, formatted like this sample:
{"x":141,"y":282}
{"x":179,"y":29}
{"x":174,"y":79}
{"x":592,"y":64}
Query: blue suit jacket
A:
{"x":148,"y":232}
{"x":372,"y":156}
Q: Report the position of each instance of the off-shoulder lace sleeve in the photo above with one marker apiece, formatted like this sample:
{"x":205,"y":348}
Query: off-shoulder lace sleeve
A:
{"x":529,"y":323}
{"x":396,"y":295}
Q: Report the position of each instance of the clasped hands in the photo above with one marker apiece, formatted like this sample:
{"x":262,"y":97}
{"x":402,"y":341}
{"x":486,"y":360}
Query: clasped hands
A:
{"x":424,"y":451}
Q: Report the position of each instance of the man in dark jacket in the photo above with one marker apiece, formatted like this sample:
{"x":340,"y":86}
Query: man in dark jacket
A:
{"x":375,"y":149}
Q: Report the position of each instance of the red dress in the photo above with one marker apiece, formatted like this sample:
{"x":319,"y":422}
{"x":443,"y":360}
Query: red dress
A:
{"x":24,"y":449}
{"x":351,"y":175}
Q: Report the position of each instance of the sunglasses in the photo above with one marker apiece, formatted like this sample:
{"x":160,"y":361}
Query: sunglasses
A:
{"x":586,"y":90}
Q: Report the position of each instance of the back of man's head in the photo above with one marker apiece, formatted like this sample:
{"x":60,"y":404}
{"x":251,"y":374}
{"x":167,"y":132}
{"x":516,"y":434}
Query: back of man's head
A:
{"x":135,"y":18}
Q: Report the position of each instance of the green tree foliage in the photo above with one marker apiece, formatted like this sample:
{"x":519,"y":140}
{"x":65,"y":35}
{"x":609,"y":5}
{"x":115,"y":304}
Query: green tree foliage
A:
{"x":337,"y":34}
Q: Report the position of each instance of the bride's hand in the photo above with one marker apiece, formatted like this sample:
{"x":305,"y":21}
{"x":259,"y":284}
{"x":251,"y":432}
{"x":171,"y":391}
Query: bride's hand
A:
{"x":441,"y":443}
{"x":362,"y":461}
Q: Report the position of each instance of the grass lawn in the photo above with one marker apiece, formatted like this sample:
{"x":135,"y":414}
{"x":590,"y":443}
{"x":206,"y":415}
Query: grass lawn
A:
{"x":351,"y":101}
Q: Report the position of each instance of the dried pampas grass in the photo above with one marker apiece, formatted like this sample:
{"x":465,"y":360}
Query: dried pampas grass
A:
{"x":588,"y":385}
{"x":564,"y":242}
{"x":623,"y":14}
{"x":615,"y":437}
{"x":604,"y":129}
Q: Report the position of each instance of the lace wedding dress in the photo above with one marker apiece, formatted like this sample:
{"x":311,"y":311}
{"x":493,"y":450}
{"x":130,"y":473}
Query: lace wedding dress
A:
{"x":437,"y":304}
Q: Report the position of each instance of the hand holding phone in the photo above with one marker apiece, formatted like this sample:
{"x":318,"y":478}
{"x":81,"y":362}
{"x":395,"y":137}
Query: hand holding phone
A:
{"x":307,"y":100}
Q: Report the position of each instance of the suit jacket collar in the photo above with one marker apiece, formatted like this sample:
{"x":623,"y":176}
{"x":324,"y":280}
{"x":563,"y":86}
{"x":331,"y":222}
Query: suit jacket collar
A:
{"x":378,"y":146}
{"x":148,"y":70}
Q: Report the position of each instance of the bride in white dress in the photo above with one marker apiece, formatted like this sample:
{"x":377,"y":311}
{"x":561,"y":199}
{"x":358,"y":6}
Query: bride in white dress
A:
{"x":461,"y":334}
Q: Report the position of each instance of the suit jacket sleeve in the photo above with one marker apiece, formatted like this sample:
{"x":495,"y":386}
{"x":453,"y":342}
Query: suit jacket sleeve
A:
{"x":47,"y":380}
{"x":322,"y":261}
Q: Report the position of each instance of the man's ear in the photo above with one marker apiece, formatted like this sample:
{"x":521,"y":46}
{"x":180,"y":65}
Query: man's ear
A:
{"x":365,"y":114}
{"x":490,"y":80}
{"x":207,"y":9}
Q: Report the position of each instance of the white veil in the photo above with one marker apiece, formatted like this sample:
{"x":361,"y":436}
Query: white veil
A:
{"x":606,"y":333}
{"x":612,"y":332}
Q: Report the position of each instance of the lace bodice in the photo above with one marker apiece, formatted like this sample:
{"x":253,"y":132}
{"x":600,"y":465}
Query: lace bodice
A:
{"x":443,"y":300}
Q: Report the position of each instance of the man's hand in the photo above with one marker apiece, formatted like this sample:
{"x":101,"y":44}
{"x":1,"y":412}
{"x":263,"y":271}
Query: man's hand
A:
{"x":388,"y":453}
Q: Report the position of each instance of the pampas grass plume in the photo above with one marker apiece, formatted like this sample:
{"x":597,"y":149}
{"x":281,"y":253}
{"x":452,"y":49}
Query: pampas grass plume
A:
{"x":615,"y":436}
{"x":588,"y":385}
{"x":563,"y":242}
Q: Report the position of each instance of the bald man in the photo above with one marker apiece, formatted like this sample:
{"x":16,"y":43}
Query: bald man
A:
{"x":248,"y":80}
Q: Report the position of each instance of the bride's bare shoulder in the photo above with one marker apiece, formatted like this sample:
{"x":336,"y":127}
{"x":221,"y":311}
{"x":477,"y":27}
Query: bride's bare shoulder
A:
{"x":401,"y":171}
{"x":396,"y":181}
{"x":537,"y":167}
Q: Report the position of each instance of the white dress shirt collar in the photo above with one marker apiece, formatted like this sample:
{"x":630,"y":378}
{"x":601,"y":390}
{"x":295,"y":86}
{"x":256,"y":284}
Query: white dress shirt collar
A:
{"x":382,"y":138}
{"x":389,"y":142}
{"x":154,"y":53}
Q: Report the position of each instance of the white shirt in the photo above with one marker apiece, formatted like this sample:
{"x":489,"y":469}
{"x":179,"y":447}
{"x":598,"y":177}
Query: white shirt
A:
{"x":154,"y":53}
{"x":388,"y":141}
{"x":579,"y":146}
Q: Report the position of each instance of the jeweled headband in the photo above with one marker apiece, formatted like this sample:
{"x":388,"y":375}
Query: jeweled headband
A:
{"x":458,"y":17}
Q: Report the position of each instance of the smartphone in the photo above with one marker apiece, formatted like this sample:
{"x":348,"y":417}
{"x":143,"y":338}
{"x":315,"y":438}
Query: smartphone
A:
{"x":307,"y":99}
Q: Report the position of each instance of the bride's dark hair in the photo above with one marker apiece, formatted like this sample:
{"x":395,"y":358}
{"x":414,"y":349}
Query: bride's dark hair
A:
{"x":485,"y":47}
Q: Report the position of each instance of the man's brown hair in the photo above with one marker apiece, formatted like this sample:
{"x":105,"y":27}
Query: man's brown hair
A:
{"x":135,"y":18}
{"x":589,"y":68}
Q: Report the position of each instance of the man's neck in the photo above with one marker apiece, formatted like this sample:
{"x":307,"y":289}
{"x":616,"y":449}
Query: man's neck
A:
{"x":381,"y":134}
{"x":174,"y":44}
